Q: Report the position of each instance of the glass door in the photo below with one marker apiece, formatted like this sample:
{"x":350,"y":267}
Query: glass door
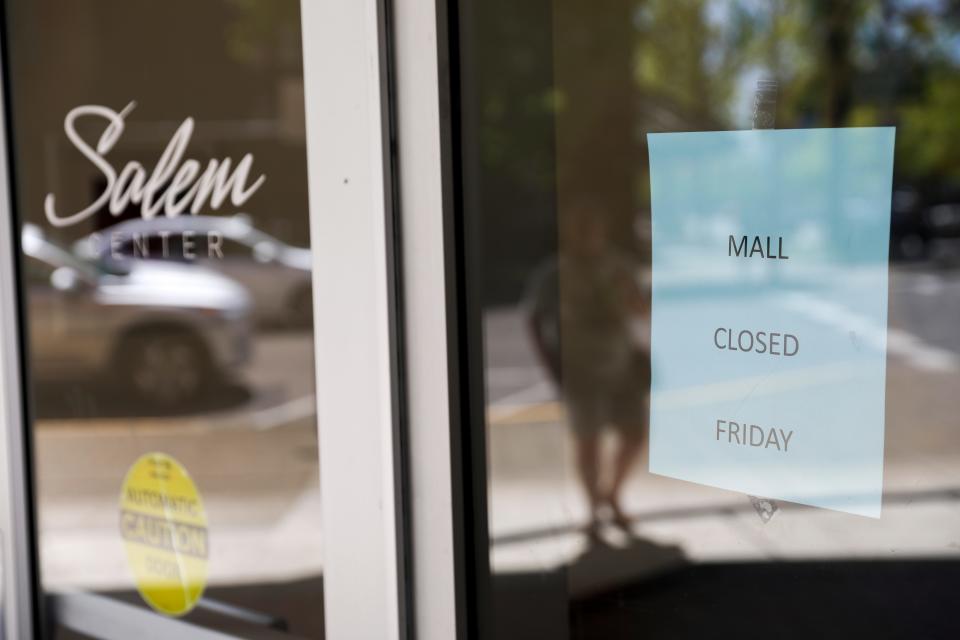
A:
{"x":170,"y":242}
{"x":706,"y":264}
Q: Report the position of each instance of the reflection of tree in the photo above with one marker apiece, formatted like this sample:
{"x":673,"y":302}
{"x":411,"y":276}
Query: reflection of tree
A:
{"x":678,"y":64}
{"x":602,"y":74}
{"x":838,"y":62}
{"x":929,"y":135}
{"x":596,"y":149}
{"x":266,"y":33}
{"x":861,"y":63}
{"x":508,"y":106}
{"x":832,"y":24}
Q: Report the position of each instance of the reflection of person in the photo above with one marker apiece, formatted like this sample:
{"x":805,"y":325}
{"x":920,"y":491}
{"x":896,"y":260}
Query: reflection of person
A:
{"x":581,"y":312}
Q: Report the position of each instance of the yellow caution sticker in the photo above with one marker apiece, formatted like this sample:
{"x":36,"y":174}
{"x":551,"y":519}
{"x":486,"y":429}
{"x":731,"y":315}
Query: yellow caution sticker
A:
{"x":164,"y":529}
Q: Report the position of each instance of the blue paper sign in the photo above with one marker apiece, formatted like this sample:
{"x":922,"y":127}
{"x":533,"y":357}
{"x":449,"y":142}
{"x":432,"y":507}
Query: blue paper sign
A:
{"x":769,"y":316}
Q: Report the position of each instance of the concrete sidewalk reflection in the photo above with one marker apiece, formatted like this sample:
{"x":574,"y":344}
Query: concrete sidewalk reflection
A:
{"x":254,"y":461}
{"x":536,"y":511}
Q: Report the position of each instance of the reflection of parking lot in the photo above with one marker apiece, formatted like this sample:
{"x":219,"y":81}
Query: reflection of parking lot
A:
{"x":253,"y":456}
{"x":537,"y":508}
{"x":252,"y":453}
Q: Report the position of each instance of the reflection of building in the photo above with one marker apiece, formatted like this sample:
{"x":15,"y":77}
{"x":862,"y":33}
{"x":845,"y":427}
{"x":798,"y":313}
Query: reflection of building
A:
{"x":243,"y":86}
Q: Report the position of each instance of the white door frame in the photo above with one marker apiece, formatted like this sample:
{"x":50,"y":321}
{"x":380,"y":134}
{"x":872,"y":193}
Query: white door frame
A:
{"x":428,"y":293}
{"x":353,"y":49}
{"x":19,"y":591}
{"x":356,"y":320}
{"x":447,"y":474}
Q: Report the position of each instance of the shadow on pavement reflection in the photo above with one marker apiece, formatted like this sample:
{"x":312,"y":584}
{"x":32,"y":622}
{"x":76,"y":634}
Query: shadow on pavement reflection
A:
{"x":71,"y":400}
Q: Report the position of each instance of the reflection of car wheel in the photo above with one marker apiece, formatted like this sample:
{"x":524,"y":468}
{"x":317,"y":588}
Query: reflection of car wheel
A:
{"x":301,"y":309}
{"x":164,"y":367}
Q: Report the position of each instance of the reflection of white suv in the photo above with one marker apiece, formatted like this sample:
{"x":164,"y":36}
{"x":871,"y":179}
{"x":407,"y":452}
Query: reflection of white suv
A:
{"x":163,"y":331}
{"x":276,"y":274}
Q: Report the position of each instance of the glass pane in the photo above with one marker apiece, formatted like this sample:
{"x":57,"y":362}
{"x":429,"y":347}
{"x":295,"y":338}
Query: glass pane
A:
{"x":790,"y":277}
{"x":161,"y":190}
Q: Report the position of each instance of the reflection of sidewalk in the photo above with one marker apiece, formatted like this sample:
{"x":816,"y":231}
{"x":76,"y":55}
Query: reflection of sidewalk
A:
{"x":536,"y":508}
{"x":259,"y":490}
{"x":255,"y":465}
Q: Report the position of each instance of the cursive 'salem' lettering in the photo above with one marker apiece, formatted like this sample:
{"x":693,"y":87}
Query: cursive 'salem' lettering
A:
{"x":173,"y":186}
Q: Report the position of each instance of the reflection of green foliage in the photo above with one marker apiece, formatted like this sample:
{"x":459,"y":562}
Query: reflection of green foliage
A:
{"x":672,"y":43}
{"x":517,"y":102}
{"x":929,"y":133}
{"x":264,"y":27}
{"x":694,"y":65}
{"x":838,"y":63}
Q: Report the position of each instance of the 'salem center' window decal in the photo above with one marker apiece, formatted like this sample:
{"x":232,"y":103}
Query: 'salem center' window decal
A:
{"x":175,"y":185}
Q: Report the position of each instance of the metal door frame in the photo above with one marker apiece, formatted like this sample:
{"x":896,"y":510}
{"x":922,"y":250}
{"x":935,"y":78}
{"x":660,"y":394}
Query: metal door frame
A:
{"x":443,"y":333}
{"x":20,"y":606}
